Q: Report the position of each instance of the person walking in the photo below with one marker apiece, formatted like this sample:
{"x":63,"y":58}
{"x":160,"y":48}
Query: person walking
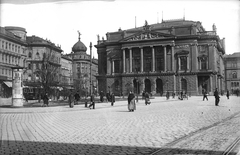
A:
{"x":147,"y":100}
{"x":167,"y":95}
{"x":217,"y":97}
{"x":45,"y":100}
{"x":205,"y":95}
{"x":112,"y":99}
{"x":101,"y":96}
{"x":77,"y":97}
{"x":92,"y":100}
{"x":71,"y":100}
{"x":131,"y":102}
{"x":227,"y":94}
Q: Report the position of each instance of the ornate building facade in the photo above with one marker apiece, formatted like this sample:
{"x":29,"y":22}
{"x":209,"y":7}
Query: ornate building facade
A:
{"x":12,"y":53}
{"x":174,"y":55}
{"x":81,"y":69}
{"x":232,"y":72}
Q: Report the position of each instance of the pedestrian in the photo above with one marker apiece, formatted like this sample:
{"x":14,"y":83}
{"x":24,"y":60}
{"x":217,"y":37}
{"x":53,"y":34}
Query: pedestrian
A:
{"x":45,"y":100}
{"x":143,"y":95}
{"x":227,"y":94}
{"x":71,"y":100}
{"x":217,"y":97}
{"x":26,"y":96}
{"x":167,"y":95}
{"x":101,"y":96}
{"x":92,"y":100}
{"x":147,"y":100}
{"x":173,"y":95}
{"x":131,"y":102}
{"x":112,"y":99}
{"x":77,"y":97}
{"x":205,"y":95}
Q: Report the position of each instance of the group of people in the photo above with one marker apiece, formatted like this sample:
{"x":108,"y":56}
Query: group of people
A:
{"x":216,"y":95}
{"x":109,"y":97}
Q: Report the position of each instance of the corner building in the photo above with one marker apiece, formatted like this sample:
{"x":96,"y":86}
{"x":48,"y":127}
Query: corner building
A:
{"x":174,"y":55}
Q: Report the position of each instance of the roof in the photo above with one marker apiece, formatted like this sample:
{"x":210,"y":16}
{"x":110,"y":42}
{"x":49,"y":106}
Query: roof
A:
{"x":79,"y":47}
{"x":37,"y":41}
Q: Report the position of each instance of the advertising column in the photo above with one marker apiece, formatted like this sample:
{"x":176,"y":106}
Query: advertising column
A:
{"x":17,"y":87}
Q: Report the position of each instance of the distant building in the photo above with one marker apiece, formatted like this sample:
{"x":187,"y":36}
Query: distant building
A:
{"x":175,"y":55}
{"x":12,"y":53}
{"x":37,"y":50}
{"x":232,"y":72}
{"x":66,"y":72}
{"x":81,"y":68}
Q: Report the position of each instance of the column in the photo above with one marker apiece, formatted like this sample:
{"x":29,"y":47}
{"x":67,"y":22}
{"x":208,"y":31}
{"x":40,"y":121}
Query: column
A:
{"x":179,"y":64}
{"x":124,"y":63}
{"x":187,"y":62}
{"x":130,"y":57}
{"x":113,"y":67}
{"x":141,"y":59}
{"x":153,"y":59}
{"x":174,"y":83}
{"x":165,"y":58}
{"x":173,"y":62}
{"x":211,"y":87}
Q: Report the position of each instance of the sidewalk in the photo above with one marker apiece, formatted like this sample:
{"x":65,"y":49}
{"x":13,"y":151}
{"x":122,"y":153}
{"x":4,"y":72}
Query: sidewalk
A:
{"x":60,"y":106}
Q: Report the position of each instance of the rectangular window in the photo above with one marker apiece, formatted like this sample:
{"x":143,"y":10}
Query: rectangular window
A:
{"x":6,"y":47}
{"x":117,"y":66}
{"x":183,"y":63}
{"x":2,"y":44}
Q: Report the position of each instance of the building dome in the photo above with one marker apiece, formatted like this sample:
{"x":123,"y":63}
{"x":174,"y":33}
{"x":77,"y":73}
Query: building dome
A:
{"x":79,"y":46}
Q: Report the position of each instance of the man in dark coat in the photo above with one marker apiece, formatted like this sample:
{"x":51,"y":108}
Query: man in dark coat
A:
{"x":101,"y":96}
{"x":228,"y":94}
{"x":216,"y":94}
{"x":45,"y":100}
{"x":112,"y":99}
{"x":77,"y":97}
{"x":92,"y":100}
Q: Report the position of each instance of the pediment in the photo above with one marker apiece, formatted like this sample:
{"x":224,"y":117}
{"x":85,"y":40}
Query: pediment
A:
{"x":146,"y":35}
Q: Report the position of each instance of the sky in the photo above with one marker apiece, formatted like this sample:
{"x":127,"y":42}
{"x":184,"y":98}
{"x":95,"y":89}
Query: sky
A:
{"x":60,"y":20}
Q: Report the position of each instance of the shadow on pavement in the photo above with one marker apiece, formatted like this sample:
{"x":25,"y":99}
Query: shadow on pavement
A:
{"x":43,"y":148}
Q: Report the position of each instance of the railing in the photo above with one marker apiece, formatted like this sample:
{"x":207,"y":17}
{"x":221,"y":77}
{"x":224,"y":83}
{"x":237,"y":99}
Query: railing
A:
{"x":208,"y":33}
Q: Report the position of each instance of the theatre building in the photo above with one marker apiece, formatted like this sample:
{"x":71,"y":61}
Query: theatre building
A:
{"x":174,"y":55}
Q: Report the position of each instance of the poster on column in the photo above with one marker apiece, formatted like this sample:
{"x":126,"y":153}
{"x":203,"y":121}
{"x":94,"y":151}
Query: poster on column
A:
{"x":17,"y":91}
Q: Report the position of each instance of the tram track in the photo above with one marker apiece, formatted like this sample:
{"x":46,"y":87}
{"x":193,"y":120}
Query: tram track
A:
{"x":232,"y":147}
{"x":227,"y":151}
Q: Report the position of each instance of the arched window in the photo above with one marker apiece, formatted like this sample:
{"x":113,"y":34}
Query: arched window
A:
{"x":29,"y":66}
{"x":234,"y":75}
{"x":29,"y":55}
{"x":37,"y":56}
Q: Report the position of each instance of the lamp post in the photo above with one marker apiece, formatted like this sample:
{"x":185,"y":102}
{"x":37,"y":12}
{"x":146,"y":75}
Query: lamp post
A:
{"x":90,"y":68}
{"x":136,"y":79}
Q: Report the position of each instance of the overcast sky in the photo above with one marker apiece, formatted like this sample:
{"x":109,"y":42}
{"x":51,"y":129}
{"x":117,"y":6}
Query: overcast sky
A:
{"x":59,"y":21}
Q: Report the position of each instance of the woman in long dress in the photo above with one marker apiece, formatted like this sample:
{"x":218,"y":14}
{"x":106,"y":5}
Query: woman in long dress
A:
{"x":131,"y":102}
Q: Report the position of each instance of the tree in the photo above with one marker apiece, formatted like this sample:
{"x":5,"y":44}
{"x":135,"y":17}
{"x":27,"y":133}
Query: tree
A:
{"x":48,"y":73}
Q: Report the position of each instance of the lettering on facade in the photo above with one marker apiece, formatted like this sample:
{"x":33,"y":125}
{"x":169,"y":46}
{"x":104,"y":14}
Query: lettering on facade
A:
{"x":181,"y":46}
{"x":146,"y":35}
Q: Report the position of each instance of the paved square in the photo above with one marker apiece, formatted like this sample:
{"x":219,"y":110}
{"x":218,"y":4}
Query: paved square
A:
{"x":113,"y":130}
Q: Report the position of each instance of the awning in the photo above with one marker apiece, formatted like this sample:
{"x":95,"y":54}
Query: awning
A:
{"x":9,"y":84}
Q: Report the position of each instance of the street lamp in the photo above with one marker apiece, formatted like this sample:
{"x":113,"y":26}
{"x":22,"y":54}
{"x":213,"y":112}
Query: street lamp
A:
{"x":137,"y":82}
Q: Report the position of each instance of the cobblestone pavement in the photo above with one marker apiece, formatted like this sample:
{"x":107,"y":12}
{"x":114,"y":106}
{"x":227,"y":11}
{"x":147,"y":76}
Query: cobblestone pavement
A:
{"x":114,"y":130}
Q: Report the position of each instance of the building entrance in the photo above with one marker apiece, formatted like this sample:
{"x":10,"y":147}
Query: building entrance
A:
{"x":147,"y":85}
{"x":203,"y":84}
{"x":159,"y":89}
